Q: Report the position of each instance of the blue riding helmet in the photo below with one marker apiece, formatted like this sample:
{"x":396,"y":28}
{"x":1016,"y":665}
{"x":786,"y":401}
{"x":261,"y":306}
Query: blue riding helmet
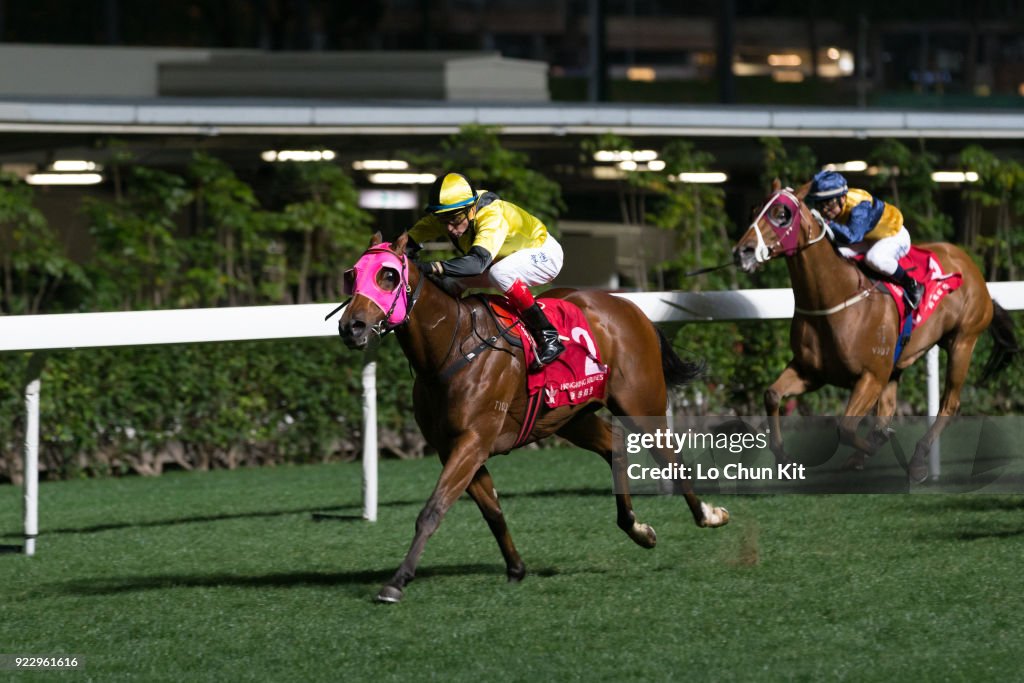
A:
{"x":826,"y":185}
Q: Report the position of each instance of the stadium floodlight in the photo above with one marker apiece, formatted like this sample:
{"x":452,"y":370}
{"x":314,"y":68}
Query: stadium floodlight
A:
{"x":849,"y":167}
{"x":64,"y":179}
{"x":388,"y":199}
{"x":955,"y":177}
{"x":402,"y":178}
{"x":701,"y":177}
{"x":618,"y":155}
{"x":380,"y":165}
{"x":298,"y":155}
{"x":74,"y":166}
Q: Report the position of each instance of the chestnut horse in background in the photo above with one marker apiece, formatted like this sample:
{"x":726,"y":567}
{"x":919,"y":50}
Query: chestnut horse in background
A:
{"x":477,"y":411}
{"x":844,"y":328}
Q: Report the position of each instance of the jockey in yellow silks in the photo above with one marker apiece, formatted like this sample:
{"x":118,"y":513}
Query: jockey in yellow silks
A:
{"x":501,"y":246}
{"x":862,"y":224}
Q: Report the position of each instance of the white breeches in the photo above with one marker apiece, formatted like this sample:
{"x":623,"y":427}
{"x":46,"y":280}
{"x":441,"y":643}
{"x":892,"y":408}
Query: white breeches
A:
{"x":537,"y":266}
{"x":882,"y":255}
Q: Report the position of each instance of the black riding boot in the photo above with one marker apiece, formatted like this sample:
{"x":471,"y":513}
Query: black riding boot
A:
{"x":912,"y":289}
{"x":549,"y":347}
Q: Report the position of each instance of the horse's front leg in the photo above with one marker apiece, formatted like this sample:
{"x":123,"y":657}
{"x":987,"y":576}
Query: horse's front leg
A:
{"x":789,"y":383}
{"x":466,"y":457}
{"x":879,"y":434}
{"x":862,"y":401}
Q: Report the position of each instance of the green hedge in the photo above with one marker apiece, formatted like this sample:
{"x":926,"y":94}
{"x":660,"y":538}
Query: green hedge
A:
{"x":207,"y":239}
{"x":198,"y":406}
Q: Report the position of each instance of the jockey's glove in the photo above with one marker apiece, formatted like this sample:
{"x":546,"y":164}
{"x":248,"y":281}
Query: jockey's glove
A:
{"x":431,"y":267}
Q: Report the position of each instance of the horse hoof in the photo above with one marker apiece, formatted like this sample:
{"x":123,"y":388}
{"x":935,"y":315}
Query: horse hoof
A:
{"x":917,"y":471}
{"x":643,"y":535}
{"x":515,"y":575}
{"x":714,"y":517}
{"x":854,"y":463}
{"x":389,"y":595}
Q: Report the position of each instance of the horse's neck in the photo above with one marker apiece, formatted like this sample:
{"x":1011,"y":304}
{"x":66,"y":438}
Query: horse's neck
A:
{"x":821,"y":278}
{"x":432,"y":329}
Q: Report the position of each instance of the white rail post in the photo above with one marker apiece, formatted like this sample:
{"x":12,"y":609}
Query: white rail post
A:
{"x":370,"y":452}
{"x":933,"y":408}
{"x":31,"y":464}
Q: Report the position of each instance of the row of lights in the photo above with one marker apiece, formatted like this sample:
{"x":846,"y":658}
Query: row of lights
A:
{"x":785,"y":67}
{"x":396,"y":171}
{"x":627,"y":161}
{"x":937,"y":176}
{"x":68,"y":172}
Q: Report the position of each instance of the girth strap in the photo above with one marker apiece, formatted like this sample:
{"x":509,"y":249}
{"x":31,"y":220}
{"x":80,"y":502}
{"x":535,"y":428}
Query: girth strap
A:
{"x":529,"y":419}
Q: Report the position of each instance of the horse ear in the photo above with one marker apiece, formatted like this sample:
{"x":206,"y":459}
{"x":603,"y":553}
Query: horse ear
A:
{"x":376,"y":239}
{"x":398,"y":246}
{"x":803,"y":190}
{"x":776,"y":185}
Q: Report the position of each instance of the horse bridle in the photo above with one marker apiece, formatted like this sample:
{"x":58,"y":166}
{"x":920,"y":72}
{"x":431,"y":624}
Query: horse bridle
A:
{"x":763,"y":252}
{"x":411,"y":297}
{"x":382,"y":327}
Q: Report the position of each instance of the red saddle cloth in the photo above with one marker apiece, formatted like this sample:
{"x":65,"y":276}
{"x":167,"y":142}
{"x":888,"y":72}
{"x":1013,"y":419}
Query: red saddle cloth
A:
{"x":576,"y":376}
{"x":922,"y":265}
{"x":926,"y":269}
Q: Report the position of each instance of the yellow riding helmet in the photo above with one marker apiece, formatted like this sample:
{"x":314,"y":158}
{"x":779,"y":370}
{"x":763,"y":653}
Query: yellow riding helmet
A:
{"x":450,"y":192}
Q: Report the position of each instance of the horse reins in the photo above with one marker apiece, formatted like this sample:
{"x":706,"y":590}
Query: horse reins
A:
{"x":485,"y":343}
{"x":709,"y":269}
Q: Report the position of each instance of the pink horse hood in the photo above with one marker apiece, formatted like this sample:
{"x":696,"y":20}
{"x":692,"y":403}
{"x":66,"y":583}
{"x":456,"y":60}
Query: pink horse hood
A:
{"x":362,"y":279}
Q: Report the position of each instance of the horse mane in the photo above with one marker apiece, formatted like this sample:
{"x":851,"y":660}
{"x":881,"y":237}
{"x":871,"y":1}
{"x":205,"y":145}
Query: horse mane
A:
{"x":439,"y":282}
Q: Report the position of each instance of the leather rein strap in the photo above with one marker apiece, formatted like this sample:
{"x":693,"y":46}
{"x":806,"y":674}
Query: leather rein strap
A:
{"x":467,"y":358}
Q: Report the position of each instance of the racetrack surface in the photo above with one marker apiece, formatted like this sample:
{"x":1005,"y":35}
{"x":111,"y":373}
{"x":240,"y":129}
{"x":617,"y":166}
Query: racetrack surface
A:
{"x":224,"y":576}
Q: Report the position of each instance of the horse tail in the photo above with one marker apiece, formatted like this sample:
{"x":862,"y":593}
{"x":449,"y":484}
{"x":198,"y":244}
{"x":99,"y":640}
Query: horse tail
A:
{"x":1004,"y":346}
{"x":677,"y":371}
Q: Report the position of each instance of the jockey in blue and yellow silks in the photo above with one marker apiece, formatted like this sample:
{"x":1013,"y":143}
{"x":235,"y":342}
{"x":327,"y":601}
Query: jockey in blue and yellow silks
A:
{"x":862,"y":224}
{"x":502,"y":246}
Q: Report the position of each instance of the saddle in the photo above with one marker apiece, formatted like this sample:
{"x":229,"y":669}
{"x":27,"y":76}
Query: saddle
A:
{"x":576,"y":376}
{"x":921,"y":265}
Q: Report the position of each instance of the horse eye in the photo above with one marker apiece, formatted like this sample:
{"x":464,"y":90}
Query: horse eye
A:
{"x":780,"y":215}
{"x":388,"y":278}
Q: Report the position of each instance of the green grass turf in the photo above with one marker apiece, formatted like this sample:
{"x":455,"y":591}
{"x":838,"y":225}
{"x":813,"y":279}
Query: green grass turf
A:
{"x":223,"y":576}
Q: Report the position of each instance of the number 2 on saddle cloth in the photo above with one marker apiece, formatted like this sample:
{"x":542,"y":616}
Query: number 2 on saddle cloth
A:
{"x":922,"y":265}
{"x":576,"y":376}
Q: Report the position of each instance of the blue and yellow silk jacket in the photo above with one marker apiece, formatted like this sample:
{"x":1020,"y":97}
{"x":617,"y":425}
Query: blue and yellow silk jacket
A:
{"x":865,"y":218}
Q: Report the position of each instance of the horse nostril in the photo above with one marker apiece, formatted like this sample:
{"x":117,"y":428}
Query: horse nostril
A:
{"x":356,"y":328}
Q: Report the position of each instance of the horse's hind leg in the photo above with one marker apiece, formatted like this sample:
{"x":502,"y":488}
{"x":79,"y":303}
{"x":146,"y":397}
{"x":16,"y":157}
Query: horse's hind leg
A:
{"x":652,"y":403}
{"x":958,"y":363}
{"x":594,"y":434}
{"x":482,"y":490}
